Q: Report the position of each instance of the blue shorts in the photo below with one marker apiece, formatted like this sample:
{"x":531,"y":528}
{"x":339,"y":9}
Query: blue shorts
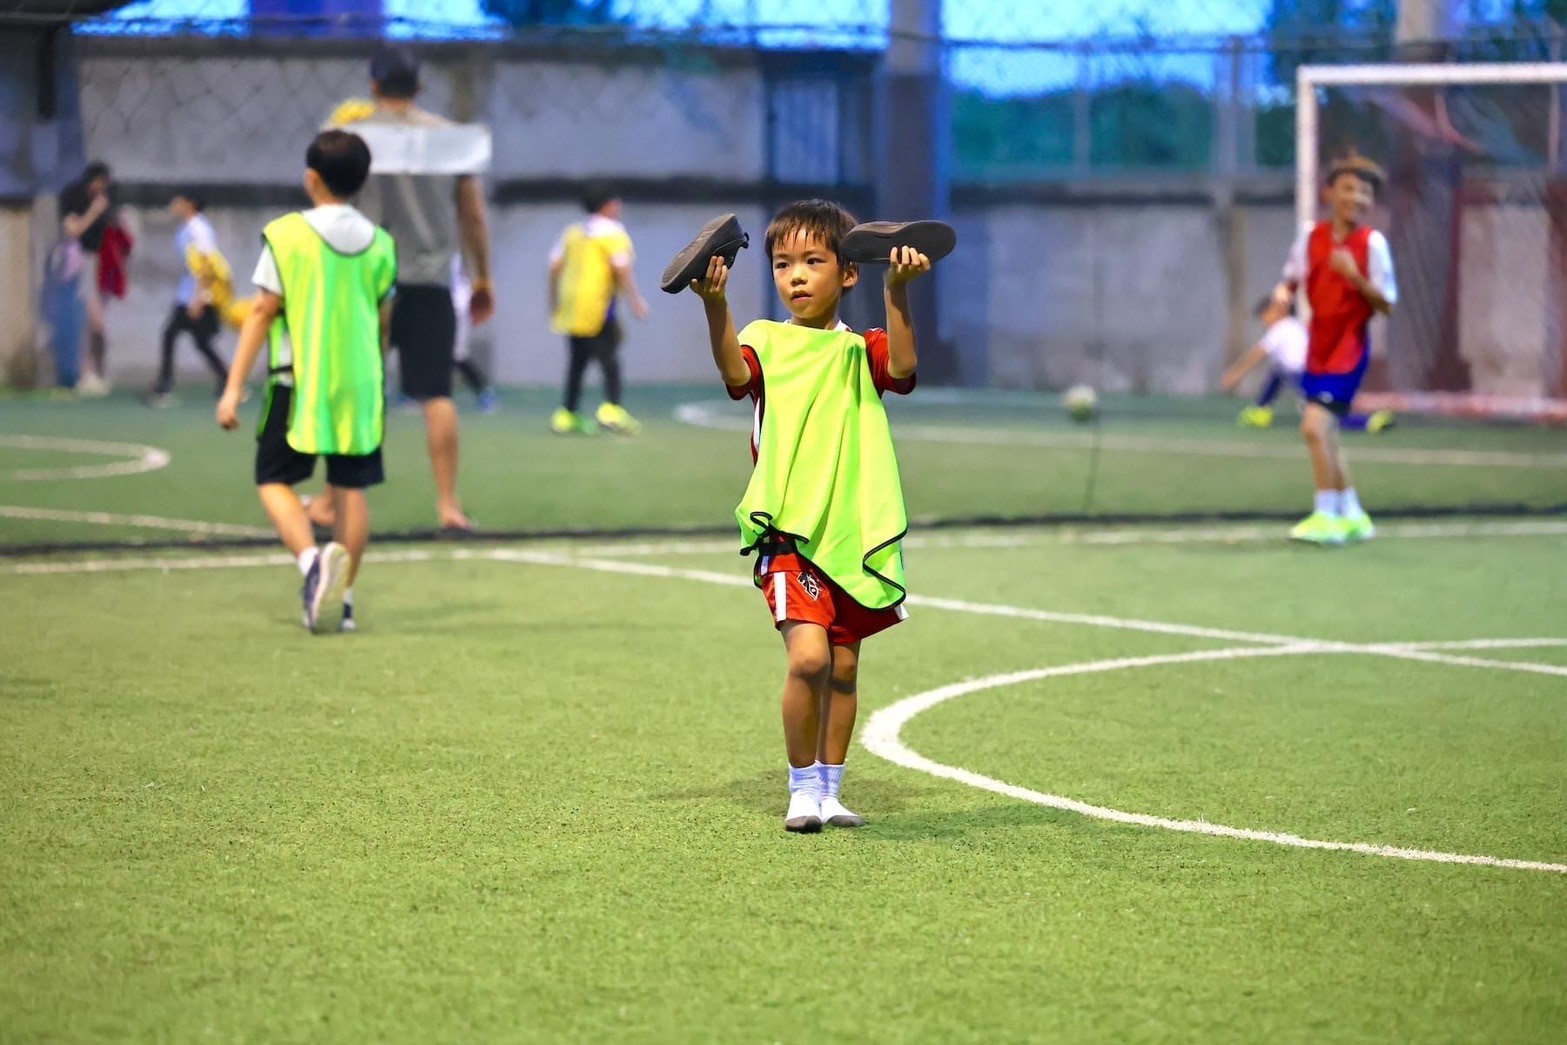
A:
{"x":1334,"y":392}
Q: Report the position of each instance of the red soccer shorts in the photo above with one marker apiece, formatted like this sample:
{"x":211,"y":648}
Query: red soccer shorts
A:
{"x":797,"y":591}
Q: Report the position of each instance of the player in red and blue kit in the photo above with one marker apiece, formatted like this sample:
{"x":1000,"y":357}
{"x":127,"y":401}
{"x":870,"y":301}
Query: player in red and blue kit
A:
{"x":1347,"y":270}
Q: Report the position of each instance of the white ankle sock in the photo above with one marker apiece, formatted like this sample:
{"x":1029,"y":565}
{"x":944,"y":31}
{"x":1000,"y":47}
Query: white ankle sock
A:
{"x":1328,"y":502}
{"x":307,"y":559}
{"x":1349,"y":502}
{"x":832,"y":779}
{"x":806,"y":781}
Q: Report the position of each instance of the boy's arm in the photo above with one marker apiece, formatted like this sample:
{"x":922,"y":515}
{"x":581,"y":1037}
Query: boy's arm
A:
{"x":474,"y":221}
{"x":628,"y":286}
{"x":556,"y":264}
{"x":1293,"y":273}
{"x":251,"y":337}
{"x":1241,"y":367}
{"x":902,"y":352}
{"x":1378,"y":287}
{"x":721,"y":334}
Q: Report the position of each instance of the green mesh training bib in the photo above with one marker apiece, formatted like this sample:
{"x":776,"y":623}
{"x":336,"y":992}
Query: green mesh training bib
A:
{"x":826,"y":474}
{"x":331,"y":315}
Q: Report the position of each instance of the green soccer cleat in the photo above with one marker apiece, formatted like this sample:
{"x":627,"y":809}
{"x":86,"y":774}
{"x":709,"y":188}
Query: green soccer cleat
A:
{"x":1319,"y":528}
{"x":1381,"y":421}
{"x":614,"y":418}
{"x":1255,"y":417}
{"x":1357,"y":527}
{"x":564,"y":422}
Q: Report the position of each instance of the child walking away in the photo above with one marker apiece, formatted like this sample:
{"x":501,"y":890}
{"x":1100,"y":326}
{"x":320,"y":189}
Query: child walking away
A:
{"x":824,"y":511}
{"x":590,"y":267}
{"x":194,"y":312}
{"x":1283,"y":348}
{"x":325,"y":281}
{"x":1347,"y":270}
{"x":462,"y":358}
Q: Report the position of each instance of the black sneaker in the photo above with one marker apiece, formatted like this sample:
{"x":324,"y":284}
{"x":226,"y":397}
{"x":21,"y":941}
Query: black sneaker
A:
{"x":322,"y":593}
{"x":722,"y":237}
{"x":873,"y":241}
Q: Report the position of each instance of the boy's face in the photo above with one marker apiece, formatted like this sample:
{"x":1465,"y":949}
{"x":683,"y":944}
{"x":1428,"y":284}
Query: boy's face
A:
{"x":1351,"y":198}
{"x":181,"y":208}
{"x":1273,"y":313}
{"x":809,"y":278}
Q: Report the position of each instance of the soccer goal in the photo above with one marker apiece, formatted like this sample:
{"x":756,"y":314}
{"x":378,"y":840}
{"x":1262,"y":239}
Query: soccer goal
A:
{"x":1476,"y":212}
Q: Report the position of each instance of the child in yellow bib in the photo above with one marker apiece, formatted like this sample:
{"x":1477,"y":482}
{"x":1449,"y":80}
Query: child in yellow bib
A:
{"x":824,"y":509}
{"x":590,"y":268}
{"x":325,"y":281}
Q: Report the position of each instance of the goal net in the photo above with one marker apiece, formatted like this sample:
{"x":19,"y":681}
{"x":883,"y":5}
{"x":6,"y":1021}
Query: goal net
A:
{"x":1475,"y":210}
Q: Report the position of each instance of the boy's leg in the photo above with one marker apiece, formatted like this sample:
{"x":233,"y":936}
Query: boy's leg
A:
{"x":609,"y":360}
{"x":1319,"y":430}
{"x":580,"y":351}
{"x":353,"y":527}
{"x":424,"y":328}
{"x":839,"y":710}
{"x":171,"y":332}
{"x":805,"y":690}
{"x":440,"y":418}
{"x":472,"y":376}
{"x":203,"y":331}
{"x":1271,"y":387}
{"x":288,"y":517}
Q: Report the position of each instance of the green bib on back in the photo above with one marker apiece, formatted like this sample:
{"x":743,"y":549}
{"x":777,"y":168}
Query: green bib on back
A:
{"x":331,"y":314}
{"x":826,"y":473}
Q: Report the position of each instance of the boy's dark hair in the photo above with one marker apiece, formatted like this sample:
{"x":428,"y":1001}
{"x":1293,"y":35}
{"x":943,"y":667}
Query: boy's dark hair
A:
{"x":341,"y":159}
{"x":1353,"y":164}
{"x":1266,"y":303}
{"x":395,"y":72}
{"x":95,"y":169}
{"x":195,"y":199}
{"x":596,"y":194}
{"x":819,"y":219}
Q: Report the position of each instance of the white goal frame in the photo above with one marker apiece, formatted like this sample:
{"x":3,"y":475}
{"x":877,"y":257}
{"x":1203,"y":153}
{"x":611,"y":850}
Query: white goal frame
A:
{"x":1308,"y":78}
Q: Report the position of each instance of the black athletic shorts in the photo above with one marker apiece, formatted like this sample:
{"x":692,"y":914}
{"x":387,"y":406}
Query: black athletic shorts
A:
{"x":277,"y":462}
{"x":424,"y":332}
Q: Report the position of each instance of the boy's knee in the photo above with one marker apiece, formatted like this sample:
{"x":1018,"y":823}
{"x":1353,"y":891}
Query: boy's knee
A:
{"x":845,"y":677}
{"x":810,"y":664}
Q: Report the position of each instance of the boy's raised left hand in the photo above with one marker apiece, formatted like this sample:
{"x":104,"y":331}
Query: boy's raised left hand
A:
{"x":906,"y":264}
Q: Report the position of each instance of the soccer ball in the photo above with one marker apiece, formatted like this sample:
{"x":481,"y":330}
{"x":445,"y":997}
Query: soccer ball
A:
{"x":1081,"y":402}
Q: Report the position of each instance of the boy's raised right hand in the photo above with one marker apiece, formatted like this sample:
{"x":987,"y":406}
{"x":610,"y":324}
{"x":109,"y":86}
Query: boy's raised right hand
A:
{"x":711,"y":287}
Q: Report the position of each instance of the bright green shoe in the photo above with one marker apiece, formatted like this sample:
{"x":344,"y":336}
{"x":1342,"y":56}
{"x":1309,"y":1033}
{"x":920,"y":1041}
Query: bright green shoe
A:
{"x":564,"y":422}
{"x":615,"y":418}
{"x":1381,"y":421}
{"x":1319,"y":528}
{"x":1357,"y":527}
{"x":1255,"y":417}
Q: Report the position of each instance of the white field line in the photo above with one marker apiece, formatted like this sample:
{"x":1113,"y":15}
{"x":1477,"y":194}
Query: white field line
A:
{"x":882,"y":736}
{"x":152,"y":522}
{"x":1479,"y":644}
{"x":1022,"y":538}
{"x":717,"y":414}
{"x":882,"y":732}
{"x":142,"y":458}
{"x":203,"y":562}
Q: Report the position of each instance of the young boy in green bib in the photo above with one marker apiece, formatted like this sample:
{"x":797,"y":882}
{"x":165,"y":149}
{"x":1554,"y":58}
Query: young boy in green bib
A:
{"x":824,"y":509}
{"x":325,"y":281}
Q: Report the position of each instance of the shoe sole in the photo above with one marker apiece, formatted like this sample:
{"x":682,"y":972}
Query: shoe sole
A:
{"x":1319,"y":542}
{"x":874,"y":241}
{"x":722,"y":237}
{"x":846,"y":821}
{"x":328,"y":607}
{"x":804,"y":825}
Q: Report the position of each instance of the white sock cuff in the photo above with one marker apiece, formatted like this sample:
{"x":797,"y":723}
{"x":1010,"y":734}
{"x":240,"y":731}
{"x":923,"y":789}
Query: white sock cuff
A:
{"x":307,"y":558}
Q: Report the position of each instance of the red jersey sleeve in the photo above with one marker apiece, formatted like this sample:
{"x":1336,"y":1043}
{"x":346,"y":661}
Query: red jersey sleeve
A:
{"x":752,"y":387}
{"x":881,"y":359}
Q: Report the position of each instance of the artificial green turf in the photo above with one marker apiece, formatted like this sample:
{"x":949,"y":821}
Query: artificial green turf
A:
{"x":516,"y":476}
{"x":540,"y":803}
